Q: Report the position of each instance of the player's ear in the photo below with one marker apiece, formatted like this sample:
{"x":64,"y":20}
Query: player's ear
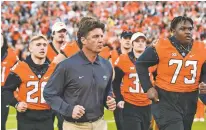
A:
{"x":30,"y":47}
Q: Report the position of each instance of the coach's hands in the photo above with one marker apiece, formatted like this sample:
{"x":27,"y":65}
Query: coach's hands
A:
{"x":111,"y":103}
{"x":120,"y":104}
{"x":21,"y":107}
{"x":202,"y":88}
{"x":78,"y":112}
{"x":152,"y":94}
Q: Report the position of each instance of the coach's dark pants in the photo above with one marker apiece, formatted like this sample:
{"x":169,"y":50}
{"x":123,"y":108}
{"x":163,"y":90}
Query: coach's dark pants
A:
{"x":136,"y":117}
{"x":118,"y":118}
{"x":175,"y":111}
{"x":4,"y":113}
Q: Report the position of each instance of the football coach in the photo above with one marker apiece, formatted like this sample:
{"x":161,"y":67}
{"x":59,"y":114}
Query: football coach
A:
{"x":81,"y":86}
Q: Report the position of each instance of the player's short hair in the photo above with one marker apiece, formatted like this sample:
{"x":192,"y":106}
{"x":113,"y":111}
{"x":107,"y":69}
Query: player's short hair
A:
{"x":179,"y":19}
{"x":37,"y":37}
{"x":86,"y":25}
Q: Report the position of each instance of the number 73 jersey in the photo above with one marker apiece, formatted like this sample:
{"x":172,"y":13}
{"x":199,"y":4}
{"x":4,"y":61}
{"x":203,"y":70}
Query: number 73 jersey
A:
{"x":32,"y":87}
{"x":176,"y":73}
{"x":131,"y":89}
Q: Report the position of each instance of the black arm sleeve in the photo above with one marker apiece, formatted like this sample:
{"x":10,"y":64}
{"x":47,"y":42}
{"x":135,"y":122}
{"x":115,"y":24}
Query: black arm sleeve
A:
{"x":13,"y":81}
{"x":54,"y":91}
{"x":147,"y":59}
{"x":116,"y":84}
{"x":203,"y":73}
{"x":203,"y":79}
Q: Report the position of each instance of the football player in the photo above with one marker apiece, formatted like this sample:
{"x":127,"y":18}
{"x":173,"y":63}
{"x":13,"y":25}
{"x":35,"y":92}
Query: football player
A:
{"x":30,"y":77}
{"x":132,"y":99}
{"x":59,"y":32}
{"x":180,"y":68}
{"x":125,"y":47}
{"x":8,"y":59}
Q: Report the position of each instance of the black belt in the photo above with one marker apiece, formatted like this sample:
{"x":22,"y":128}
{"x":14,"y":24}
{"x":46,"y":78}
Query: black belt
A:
{"x":83,"y":121}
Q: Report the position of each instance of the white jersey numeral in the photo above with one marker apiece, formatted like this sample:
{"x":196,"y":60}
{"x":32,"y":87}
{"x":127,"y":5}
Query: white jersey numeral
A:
{"x":138,"y":88}
{"x":35,"y":90}
{"x":179,"y":66}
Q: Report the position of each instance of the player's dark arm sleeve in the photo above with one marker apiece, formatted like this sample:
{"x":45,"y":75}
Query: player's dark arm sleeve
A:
{"x":203,"y":79}
{"x":203,"y":73}
{"x":203,"y":98}
{"x":13,"y":81}
{"x":109,"y":90}
{"x":116,"y":84}
{"x":147,"y":59}
{"x":54,"y":91}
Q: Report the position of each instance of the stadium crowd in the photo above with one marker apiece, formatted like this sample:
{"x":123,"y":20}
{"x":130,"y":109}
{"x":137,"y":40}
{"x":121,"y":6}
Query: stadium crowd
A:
{"x":22,"y":19}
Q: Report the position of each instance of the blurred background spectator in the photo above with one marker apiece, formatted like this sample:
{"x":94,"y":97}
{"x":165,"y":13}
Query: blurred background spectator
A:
{"x":19,"y":20}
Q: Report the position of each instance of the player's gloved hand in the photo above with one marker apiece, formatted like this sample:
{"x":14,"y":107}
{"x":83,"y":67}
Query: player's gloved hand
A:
{"x":21,"y":107}
{"x":111,"y":103}
{"x":78,"y":112}
{"x":202,"y":88}
{"x":152,"y":94}
{"x":120,"y":104}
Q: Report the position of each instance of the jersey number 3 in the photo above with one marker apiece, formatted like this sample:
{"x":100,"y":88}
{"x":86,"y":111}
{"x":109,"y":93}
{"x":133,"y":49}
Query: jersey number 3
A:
{"x":35,"y":90}
{"x":138,"y":88}
{"x":179,"y":66}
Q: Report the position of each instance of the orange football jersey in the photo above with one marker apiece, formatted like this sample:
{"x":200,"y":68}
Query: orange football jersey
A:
{"x":7,"y":64}
{"x":105,"y":53}
{"x":51,"y":53}
{"x":70,"y":49}
{"x":176,"y":73}
{"x":131,"y":89}
{"x":31,"y":88}
{"x":114,"y":56}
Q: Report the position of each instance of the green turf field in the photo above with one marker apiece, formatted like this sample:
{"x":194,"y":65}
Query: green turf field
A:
{"x":11,"y":123}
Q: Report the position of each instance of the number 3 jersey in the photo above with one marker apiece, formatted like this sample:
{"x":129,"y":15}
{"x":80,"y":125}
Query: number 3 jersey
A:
{"x":32,"y":85}
{"x":176,"y":73}
{"x":131,"y":89}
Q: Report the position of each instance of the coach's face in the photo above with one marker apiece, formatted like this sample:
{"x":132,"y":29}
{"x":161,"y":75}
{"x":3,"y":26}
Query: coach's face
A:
{"x":183,"y":32}
{"x":94,"y":40}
